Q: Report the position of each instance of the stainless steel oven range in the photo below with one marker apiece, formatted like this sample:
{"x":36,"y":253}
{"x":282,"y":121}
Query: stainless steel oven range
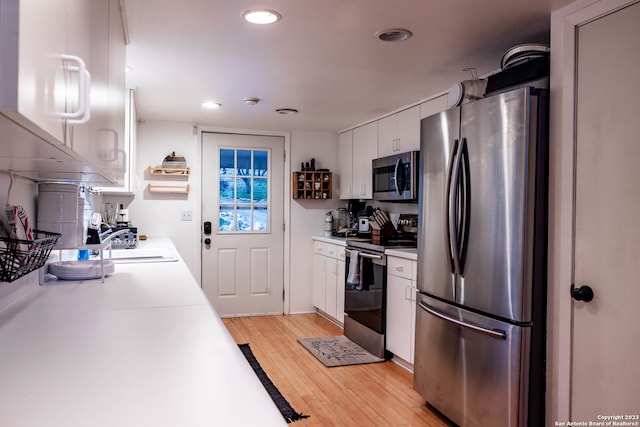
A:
{"x":366,"y":293}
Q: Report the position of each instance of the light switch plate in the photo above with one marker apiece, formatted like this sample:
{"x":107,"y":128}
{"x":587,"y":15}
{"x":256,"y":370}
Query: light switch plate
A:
{"x":185,"y":215}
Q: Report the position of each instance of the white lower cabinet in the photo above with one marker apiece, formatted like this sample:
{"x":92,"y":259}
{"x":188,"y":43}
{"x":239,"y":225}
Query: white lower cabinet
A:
{"x":401,"y":307}
{"x":328,"y":279}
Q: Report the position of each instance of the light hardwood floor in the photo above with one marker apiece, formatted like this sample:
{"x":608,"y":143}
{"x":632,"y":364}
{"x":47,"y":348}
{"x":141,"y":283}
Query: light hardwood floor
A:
{"x":378,"y":394}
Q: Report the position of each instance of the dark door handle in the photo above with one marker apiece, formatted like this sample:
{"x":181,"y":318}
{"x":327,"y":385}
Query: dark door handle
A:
{"x":583,"y":293}
{"x":207,"y":241}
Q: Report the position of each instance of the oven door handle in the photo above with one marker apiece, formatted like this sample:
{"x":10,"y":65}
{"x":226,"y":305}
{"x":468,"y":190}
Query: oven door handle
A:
{"x":370,"y":256}
{"x":365,"y":255}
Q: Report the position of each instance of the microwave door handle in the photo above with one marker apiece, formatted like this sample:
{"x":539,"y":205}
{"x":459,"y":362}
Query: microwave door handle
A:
{"x":395,"y":177}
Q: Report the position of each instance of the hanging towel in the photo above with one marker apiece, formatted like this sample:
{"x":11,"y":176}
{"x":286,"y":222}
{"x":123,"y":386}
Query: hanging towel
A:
{"x":355,"y":271}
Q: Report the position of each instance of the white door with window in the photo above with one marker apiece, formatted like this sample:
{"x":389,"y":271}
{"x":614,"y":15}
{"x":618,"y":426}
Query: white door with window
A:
{"x":243,"y":217}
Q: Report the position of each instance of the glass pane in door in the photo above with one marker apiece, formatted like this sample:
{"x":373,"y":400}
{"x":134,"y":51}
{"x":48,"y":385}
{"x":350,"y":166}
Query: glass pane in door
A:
{"x":244,"y":191}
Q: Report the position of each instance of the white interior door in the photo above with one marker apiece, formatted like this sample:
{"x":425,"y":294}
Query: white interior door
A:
{"x":606,"y":330}
{"x":242,"y":199}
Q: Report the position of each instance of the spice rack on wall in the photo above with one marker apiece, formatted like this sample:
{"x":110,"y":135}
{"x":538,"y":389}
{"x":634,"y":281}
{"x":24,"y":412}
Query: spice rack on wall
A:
{"x":312,"y":185}
{"x":163,"y":173}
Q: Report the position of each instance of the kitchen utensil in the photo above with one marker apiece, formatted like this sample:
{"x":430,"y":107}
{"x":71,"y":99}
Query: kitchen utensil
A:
{"x":522,"y":53}
{"x":466,"y":91}
{"x":363,"y":224}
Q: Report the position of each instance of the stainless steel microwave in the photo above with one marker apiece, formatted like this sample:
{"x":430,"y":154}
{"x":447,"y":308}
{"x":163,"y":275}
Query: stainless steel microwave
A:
{"x":395,"y":178}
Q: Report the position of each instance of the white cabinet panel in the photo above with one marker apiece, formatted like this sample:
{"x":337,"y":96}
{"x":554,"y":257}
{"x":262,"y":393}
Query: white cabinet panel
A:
{"x":401,"y":307}
{"x":57,"y":57}
{"x":328,"y":279}
{"x":433,"y":106}
{"x":345,"y":165}
{"x":365,"y":149}
{"x":399,"y":132}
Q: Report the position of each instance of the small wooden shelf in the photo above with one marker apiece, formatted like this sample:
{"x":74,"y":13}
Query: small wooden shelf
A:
{"x":169,"y":171}
{"x":168,"y":189}
{"x":311,"y":185}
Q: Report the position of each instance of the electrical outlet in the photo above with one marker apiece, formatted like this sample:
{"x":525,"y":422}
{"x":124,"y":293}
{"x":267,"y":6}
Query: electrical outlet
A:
{"x":185,"y":215}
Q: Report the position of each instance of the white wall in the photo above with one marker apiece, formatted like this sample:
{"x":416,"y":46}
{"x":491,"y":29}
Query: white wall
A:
{"x":159,"y":214}
{"x":307,"y":216}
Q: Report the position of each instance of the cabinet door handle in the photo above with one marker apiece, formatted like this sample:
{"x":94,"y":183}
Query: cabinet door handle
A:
{"x":123,"y":169}
{"x":114,"y":139}
{"x":83,"y":113}
{"x":400,"y":268}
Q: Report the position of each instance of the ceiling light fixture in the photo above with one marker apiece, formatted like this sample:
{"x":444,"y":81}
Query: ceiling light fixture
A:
{"x":211,"y":105}
{"x":261,"y":16}
{"x":394,"y":35}
{"x":286,"y":111}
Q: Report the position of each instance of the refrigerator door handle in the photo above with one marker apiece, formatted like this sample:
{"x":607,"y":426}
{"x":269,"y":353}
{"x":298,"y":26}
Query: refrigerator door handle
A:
{"x":493,"y":333}
{"x":448,"y":202}
{"x":456,"y":206}
{"x":462,"y":232}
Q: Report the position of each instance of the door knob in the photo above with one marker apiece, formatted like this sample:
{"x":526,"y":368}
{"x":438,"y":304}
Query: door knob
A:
{"x":207,"y":241}
{"x":583,"y":293}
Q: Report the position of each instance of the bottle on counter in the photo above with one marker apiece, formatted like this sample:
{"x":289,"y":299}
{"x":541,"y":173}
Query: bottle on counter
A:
{"x":328,"y":224}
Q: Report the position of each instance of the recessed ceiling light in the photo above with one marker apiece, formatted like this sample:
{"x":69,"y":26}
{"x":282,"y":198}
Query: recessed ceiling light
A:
{"x":286,"y":111}
{"x":261,"y":16}
{"x":211,"y":105}
{"x":394,"y":35}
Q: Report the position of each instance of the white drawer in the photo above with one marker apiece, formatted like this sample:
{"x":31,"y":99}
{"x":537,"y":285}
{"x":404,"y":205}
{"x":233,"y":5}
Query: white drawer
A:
{"x":401,"y":267}
{"x":329,"y":250}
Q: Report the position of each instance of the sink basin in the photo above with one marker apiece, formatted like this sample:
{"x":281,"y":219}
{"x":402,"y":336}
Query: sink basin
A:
{"x":141,"y":255}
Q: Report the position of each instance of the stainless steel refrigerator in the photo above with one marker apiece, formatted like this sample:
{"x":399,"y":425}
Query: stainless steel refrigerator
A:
{"x":480,"y":316}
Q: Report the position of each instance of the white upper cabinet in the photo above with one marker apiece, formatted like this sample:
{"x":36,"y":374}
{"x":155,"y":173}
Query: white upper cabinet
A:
{"x":365,"y":149}
{"x":34,"y":45}
{"x":399,"y":132}
{"x":58,"y":65}
{"x":356,"y":149}
{"x":433,"y":106}
{"x":345,"y":164}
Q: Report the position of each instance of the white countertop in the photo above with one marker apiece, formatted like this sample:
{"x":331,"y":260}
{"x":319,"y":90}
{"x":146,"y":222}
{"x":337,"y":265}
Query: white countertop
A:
{"x":144,"y":348}
{"x":331,"y":239}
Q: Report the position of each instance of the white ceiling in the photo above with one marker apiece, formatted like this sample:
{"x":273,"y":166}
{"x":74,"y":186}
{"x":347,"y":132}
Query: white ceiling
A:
{"x":322,"y":58}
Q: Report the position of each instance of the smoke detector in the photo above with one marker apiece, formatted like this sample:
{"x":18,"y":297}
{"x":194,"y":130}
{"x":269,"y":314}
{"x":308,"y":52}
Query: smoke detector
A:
{"x":251,"y":100}
{"x":393,"y":35}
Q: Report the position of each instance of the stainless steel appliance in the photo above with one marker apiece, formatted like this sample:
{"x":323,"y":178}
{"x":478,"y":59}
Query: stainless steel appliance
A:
{"x":480,"y":325}
{"x":365,"y":298}
{"x":395,"y":178}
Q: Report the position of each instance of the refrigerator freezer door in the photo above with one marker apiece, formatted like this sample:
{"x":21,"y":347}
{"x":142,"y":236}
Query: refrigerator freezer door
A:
{"x":470,"y":367}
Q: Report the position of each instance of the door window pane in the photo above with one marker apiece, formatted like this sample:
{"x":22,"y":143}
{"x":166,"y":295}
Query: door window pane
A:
{"x":244,"y":191}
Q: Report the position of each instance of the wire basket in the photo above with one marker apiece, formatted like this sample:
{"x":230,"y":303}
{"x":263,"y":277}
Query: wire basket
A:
{"x":20,"y":257}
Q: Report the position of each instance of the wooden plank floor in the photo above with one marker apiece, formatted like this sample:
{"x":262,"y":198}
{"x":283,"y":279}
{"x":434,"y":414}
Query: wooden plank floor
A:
{"x":378,"y":394}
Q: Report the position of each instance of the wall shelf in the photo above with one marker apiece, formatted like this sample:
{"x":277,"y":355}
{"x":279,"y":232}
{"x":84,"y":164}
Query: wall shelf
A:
{"x":311,"y":185}
{"x":168,"y":189}
{"x":169,"y":171}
